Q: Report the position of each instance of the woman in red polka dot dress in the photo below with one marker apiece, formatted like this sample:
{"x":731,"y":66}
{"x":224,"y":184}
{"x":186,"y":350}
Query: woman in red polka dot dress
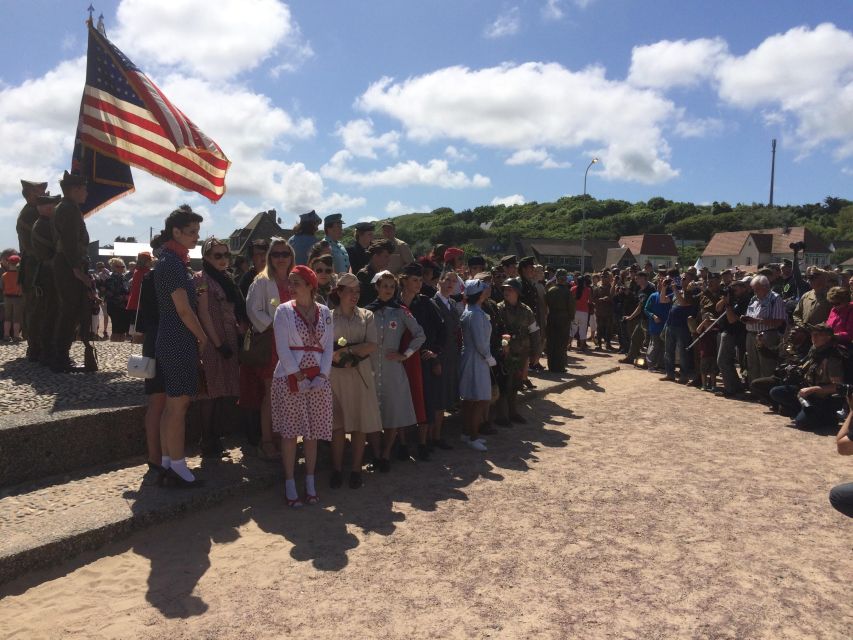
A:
{"x":301,"y":391}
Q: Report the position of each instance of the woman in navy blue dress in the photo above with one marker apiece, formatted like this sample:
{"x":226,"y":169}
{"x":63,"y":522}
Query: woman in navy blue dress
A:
{"x":180,"y":337}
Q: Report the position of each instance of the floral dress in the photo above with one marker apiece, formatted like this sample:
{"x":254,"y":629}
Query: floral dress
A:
{"x":303,"y":408}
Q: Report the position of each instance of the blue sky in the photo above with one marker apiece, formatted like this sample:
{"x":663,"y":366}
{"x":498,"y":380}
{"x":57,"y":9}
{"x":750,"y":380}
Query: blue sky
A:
{"x":386,"y":107}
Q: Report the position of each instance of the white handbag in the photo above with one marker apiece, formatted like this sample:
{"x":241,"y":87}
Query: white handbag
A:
{"x":140,"y":366}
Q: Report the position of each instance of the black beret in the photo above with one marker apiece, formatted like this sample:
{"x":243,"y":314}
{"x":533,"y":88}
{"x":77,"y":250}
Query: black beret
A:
{"x":413,"y":269}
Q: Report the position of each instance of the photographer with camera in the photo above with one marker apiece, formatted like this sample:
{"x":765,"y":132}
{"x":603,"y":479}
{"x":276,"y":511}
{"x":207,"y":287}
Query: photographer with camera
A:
{"x":841,"y":496}
{"x":732,"y":350}
{"x":821,"y":372}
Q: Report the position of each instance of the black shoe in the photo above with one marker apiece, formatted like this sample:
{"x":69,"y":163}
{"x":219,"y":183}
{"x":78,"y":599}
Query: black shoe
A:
{"x":154,"y":475}
{"x":402,"y":453}
{"x":528,"y":384}
{"x":355,"y":481}
{"x":172,"y":479}
{"x":66,"y":366}
{"x":442,"y":444}
{"x":517,"y":418}
{"x":336,"y":480}
{"x":423,"y":452}
{"x":626,"y":360}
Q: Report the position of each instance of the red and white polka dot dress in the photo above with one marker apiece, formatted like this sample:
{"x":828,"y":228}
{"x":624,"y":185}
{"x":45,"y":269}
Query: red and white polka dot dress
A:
{"x":309,"y":413}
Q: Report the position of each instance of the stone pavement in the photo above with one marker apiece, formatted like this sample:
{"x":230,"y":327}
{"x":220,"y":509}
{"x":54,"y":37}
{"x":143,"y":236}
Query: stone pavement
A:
{"x":31,"y":392}
{"x":50,"y":520}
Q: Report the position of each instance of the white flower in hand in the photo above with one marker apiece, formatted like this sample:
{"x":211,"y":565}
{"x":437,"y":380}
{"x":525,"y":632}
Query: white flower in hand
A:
{"x":274,"y":302}
{"x":342,"y":342}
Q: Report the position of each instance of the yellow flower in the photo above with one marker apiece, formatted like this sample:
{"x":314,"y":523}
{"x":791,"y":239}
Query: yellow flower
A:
{"x":342,"y":342}
{"x":274,"y":302}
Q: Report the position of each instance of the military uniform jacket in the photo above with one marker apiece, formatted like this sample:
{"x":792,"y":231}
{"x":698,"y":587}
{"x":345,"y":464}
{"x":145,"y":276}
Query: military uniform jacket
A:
{"x":520,"y":323}
{"x":529,"y":295}
{"x":561,"y":303}
{"x":358,"y":257}
{"x":602,"y":300}
{"x":24,"y":227}
{"x":72,"y":238}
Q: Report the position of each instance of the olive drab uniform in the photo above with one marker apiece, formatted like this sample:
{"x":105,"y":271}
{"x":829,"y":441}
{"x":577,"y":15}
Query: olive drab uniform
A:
{"x":45,"y":301}
{"x":561,"y":313}
{"x":519,"y":322}
{"x":72,"y":241}
{"x":26,"y":271}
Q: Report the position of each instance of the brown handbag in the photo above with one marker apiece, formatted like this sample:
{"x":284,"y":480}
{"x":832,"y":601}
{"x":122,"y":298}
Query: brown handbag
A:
{"x":257,"y":348}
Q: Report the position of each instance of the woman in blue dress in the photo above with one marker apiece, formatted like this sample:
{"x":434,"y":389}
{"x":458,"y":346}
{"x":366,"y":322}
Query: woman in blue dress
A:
{"x":180,"y":337}
{"x":475,"y":381}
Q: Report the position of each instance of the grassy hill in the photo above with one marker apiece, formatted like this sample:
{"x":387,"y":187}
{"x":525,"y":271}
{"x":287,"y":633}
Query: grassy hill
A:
{"x":831,"y":219}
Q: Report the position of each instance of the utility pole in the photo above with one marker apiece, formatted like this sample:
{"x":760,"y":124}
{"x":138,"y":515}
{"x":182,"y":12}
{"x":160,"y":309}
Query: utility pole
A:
{"x":772,"y":168}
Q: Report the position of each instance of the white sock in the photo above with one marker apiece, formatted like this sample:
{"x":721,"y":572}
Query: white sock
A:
{"x":180,"y":467}
{"x":309,"y":486}
{"x":290,"y":489}
{"x":166,"y":462}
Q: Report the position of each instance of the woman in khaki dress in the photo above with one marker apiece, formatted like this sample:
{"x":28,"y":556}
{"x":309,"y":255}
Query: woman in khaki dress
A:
{"x":355,"y":405}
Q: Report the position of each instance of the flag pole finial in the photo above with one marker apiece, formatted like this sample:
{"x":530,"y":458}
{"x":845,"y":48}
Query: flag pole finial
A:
{"x":91,"y":11}
{"x":101,"y":28}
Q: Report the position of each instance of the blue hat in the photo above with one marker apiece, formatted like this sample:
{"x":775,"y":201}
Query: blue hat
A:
{"x":474,"y":288}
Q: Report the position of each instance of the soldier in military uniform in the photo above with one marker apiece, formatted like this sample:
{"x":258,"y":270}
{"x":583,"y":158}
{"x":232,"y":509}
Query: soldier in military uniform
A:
{"x":24,"y":227}
{"x":520,"y":325}
{"x":561,"y":313}
{"x":73,"y":285}
{"x":44,"y":289}
{"x":378,"y":254}
{"x":358,"y":257}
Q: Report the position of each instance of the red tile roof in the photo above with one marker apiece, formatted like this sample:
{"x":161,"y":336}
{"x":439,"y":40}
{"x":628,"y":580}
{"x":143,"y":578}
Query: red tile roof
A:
{"x":773,"y":241}
{"x":650,"y":244}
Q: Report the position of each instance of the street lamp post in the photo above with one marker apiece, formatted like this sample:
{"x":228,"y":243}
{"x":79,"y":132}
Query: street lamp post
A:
{"x":583,"y":215}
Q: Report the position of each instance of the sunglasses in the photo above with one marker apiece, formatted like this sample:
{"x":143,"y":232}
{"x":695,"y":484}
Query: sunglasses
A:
{"x":219,"y":256}
{"x":322,"y":271}
{"x":280,"y":254}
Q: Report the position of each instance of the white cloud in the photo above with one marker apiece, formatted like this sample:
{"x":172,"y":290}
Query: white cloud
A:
{"x":536,"y":156}
{"x":509,"y":201}
{"x":506,"y":24}
{"x":513,"y":107}
{"x":435,"y":173}
{"x":847,"y":171}
{"x":805,"y":75}
{"x":242,"y":213}
{"x":459,"y":155}
{"x":218,"y":41}
{"x":698,"y":127}
{"x":677,"y":63}
{"x":552,"y":10}
{"x":359,"y":139}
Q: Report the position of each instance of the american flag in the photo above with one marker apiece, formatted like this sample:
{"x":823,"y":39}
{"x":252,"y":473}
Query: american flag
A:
{"x":126,"y":120}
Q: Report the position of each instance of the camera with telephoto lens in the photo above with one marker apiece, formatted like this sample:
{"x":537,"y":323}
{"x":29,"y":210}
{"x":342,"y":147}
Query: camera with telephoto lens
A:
{"x":798,"y":246}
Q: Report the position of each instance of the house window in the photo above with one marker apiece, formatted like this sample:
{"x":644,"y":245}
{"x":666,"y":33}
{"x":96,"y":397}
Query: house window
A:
{"x":748,"y":261}
{"x":714,"y":262}
{"x":729,"y":262}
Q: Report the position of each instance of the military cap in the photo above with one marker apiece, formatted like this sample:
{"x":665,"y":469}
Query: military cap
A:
{"x":787,"y":263}
{"x":364,"y":226}
{"x":766,"y":271}
{"x":561,"y":273}
{"x":335,"y":218}
{"x":527,"y":261}
{"x":413,"y":269}
{"x":380,"y":245}
{"x":72,"y":180}
{"x":48,"y":199}
{"x":509,"y":260}
{"x":512,"y":283}
{"x":309,"y":217}
{"x":474,"y":287}
{"x":476,"y":260}
{"x":388,"y":223}
{"x":821,"y":328}
{"x":29,"y":184}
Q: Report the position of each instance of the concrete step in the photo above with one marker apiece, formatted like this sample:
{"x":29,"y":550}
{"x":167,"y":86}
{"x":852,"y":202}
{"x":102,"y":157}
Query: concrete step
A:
{"x":50,"y":520}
